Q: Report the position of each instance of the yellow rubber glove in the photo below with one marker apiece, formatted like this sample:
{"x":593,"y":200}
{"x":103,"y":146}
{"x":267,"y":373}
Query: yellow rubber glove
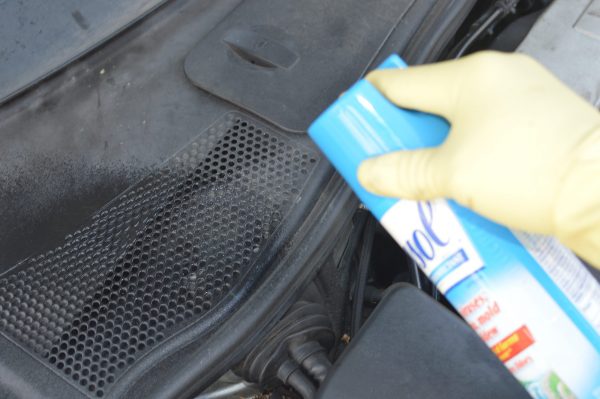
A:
{"x":523,"y":150}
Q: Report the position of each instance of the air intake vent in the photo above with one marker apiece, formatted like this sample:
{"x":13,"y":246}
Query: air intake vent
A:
{"x":159,"y":257}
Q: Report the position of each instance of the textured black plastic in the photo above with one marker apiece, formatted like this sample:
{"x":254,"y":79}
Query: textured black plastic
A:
{"x":287,"y":61}
{"x":180,"y":244}
{"x":411,"y":347}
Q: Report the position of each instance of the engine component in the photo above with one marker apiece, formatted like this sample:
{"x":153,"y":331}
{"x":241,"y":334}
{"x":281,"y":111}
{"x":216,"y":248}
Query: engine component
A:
{"x":413,"y":347}
{"x":362,"y":269}
{"x":295,"y":352}
{"x":484,"y":24}
{"x":230,"y":385}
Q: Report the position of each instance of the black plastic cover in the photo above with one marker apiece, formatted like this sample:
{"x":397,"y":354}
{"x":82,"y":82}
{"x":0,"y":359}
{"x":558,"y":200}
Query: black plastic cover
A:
{"x":287,"y":61}
{"x":412,"y":347}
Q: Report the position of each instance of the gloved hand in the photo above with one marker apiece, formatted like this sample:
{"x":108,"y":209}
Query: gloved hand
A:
{"x":523,"y":150}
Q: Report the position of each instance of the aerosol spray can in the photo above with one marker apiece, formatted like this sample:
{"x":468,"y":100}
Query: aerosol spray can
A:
{"x":530,"y":299}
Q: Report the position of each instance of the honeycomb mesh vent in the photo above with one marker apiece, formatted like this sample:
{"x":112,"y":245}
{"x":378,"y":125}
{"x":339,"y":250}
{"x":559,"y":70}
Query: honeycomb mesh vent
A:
{"x":158,"y":257}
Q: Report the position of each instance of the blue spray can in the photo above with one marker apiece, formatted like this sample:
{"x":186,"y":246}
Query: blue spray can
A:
{"x":530,"y":299}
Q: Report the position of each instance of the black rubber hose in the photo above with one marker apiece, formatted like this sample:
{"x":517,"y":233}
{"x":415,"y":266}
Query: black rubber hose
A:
{"x":415,"y":274}
{"x":312,"y":357}
{"x":434,"y":292}
{"x":317,"y":365}
{"x":500,"y":9}
{"x":466,"y":44}
{"x":291,"y":374}
{"x":359,"y":219}
{"x":301,"y":384}
{"x":362,"y":273}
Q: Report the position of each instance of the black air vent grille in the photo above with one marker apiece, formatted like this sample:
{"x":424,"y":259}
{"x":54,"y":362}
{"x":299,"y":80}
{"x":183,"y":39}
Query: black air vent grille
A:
{"x":157,"y":258}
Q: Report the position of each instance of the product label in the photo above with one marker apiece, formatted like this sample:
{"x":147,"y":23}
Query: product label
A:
{"x":529,"y":332}
{"x":435,"y":239}
{"x":515,"y":343}
{"x":525,"y":341}
{"x":567,"y":272}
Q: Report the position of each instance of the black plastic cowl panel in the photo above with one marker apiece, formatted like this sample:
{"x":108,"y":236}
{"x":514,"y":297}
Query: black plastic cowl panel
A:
{"x":287,"y":61}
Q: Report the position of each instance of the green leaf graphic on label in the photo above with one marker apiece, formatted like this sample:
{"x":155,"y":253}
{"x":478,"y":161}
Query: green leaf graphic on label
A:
{"x":549,"y":386}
